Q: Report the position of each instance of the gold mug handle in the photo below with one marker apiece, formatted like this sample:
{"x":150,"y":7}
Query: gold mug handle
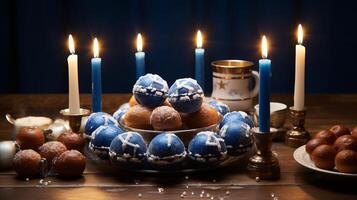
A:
{"x":255,"y":90}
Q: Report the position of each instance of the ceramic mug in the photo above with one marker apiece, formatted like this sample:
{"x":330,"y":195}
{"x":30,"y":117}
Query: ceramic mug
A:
{"x":231,"y":83}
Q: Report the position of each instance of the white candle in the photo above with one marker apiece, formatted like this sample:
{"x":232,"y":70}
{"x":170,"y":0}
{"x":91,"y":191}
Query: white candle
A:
{"x":73,"y":95}
{"x":299,"y":94}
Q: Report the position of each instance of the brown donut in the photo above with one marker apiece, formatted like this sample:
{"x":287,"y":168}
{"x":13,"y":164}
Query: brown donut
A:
{"x":51,"y":150}
{"x":27,"y":163}
{"x":165,"y":118}
{"x":346,"y":161}
{"x":345,"y":142}
{"x":204,"y":117}
{"x":313,"y":143}
{"x":326,"y":135}
{"x":340,"y":130}
{"x":138,"y":116}
{"x":324,"y":157}
{"x":70,"y":164}
{"x":30,"y":138}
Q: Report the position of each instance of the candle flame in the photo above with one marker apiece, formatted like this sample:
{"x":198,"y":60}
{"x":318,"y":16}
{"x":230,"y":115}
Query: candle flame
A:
{"x":300,"y":34}
{"x":96,"y":48}
{"x":199,"y":39}
{"x":139,"y":43}
{"x":264,"y":47}
{"x":71,"y":44}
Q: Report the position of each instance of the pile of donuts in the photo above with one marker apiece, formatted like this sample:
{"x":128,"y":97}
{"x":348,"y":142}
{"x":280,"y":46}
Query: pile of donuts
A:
{"x":155,"y":106}
{"x":334,"y":149}
{"x":37,"y":156}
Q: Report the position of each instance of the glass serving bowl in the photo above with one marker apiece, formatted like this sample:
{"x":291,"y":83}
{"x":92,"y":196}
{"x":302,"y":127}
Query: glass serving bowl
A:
{"x":185,"y":135}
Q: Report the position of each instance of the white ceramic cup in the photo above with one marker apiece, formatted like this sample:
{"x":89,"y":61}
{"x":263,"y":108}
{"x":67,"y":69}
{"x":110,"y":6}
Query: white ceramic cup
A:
{"x":231,"y":83}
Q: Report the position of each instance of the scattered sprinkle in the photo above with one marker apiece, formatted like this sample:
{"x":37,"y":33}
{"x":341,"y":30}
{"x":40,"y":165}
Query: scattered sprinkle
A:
{"x":272,"y":194}
{"x":140,"y":195}
{"x":276,"y":198}
{"x":192,"y":193}
{"x":160,"y":190}
{"x":257,"y":179}
{"x":136,"y":182}
{"x":27,"y":179}
{"x":201,"y":195}
{"x":184,"y":193}
{"x":214,"y":180}
{"x":45,"y":183}
{"x":186,"y":186}
{"x":228,"y":193}
{"x":182,"y":196}
{"x":202,"y":191}
{"x":208,"y":195}
{"x":212,"y":197}
{"x":41,"y":181}
{"x":186,"y":177}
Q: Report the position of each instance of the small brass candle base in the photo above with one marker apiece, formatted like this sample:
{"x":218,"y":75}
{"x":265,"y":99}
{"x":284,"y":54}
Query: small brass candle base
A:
{"x":75,"y":120}
{"x":264,"y":164}
{"x":297,"y":136}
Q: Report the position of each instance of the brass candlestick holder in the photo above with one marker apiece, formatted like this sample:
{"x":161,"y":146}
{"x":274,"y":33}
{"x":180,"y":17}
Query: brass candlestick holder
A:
{"x":297,"y":136}
{"x":264,"y":164}
{"x":75,"y":120}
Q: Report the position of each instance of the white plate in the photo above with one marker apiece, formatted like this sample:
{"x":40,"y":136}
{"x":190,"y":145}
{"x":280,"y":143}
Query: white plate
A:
{"x":303,"y":158}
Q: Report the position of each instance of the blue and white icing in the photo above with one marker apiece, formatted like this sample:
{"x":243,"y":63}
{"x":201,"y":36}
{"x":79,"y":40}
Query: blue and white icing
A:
{"x":121,"y":111}
{"x":128,"y":147}
{"x":102,"y":138}
{"x":96,"y":120}
{"x":219,"y":106}
{"x":207,"y":146}
{"x":186,"y":95}
{"x":150,"y":90}
{"x":237,"y":137}
{"x":166,"y":148}
{"x":237,"y":116}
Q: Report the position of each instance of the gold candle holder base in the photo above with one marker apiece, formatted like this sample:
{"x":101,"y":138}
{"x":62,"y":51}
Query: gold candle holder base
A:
{"x":75,"y":120}
{"x":264,"y":164}
{"x":297,"y":135}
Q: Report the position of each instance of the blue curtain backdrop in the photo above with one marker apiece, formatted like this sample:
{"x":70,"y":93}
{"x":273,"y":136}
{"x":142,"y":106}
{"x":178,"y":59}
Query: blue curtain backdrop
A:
{"x":34,"y":35}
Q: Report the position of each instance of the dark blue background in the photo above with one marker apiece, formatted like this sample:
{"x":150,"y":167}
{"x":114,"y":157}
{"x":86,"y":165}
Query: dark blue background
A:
{"x":34,"y":35}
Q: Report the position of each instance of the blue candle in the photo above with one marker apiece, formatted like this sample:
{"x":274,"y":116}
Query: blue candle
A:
{"x":96,"y":79}
{"x":199,"y":61}
{"x":139,"y":57}
{"x":264,"y":89}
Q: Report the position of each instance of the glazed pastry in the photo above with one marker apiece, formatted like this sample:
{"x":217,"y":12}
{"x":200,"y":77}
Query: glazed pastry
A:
{"x":166,"y":149}
{"x":96,"y":120}
{"x":72,"y":140}
{"x":205,"y":116}
{"x":354,"y":132}
{"x":150,"y":90}
{"x":237,"y":116}
{"x":324,"y":157}
{"x":219,"y":106}
{"x":313,"y":143}
{"x":345,"y":142}
{"x":207,"y":147}
{"x":138,"y":117}
{"x":237,"y":137}
{"x":101,"y":139}
{"x":326,"y":135}
{"x":346,"y":161}
{"x":70,"y":164}
{"x":27,"y":163}
{"x":186,"y":95}
{"x":340,"y":130}
{"x":165,"y":118}
{"x":128,"y":147}
{"x":30,"y":138}
{"x":51,"y":150}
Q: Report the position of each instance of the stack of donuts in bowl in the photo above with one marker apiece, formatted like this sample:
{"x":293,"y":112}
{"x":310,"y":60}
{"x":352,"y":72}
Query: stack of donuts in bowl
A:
{"x":334,"y":149}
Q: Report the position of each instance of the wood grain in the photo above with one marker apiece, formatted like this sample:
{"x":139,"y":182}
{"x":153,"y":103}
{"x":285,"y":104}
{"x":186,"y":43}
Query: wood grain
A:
{"x":106,"y":182}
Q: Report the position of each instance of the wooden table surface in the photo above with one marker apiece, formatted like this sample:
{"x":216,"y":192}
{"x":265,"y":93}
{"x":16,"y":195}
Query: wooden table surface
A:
{"x":105,"y":182}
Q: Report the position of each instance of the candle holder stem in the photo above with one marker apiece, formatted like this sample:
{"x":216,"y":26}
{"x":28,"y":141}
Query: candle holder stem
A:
{"x":297,"y":135}
{"x":75,"y":120}
{"x":264,"y":164}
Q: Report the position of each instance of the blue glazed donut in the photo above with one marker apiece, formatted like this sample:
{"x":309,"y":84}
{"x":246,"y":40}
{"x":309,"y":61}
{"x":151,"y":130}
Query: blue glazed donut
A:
{"x":102,"y":138}
{"x":219,"y":106}
{"x":186,"y":95}
{"x":207,"y":146}
{"x":121,"y":111}
{"x":237,"y":116}
{"x":128,"y":147}
{"x":165,"y":149}
{"x":150,"y":90}
{"x":98,"y":119}
{"x":237,"y":137}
